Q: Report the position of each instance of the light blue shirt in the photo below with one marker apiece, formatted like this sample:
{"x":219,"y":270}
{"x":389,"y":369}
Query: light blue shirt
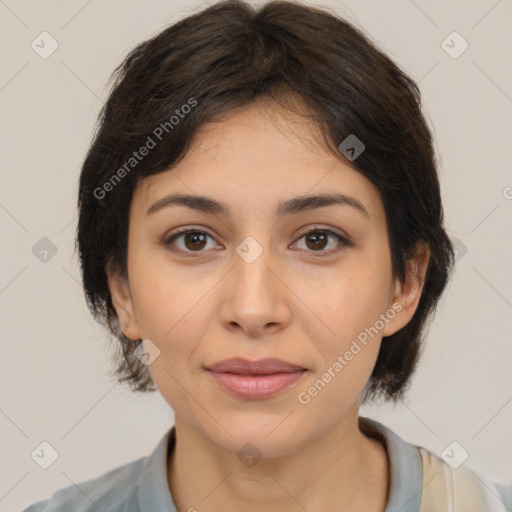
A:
{"x":141,"y":485}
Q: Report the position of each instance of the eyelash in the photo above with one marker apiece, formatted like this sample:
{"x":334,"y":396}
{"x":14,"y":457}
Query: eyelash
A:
{"x":344,"y":242}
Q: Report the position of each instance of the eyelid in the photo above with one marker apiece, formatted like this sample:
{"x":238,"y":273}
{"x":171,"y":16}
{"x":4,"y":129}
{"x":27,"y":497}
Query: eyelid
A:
{"x":327,"y":229}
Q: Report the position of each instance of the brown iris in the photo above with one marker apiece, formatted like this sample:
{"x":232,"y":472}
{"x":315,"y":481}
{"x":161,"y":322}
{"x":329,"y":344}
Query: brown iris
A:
{"x":196,"y":239}
{"x":319,"y":240}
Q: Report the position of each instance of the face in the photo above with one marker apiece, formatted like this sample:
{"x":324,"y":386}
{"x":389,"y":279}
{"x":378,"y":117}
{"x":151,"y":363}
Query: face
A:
{"x":274,"y":276}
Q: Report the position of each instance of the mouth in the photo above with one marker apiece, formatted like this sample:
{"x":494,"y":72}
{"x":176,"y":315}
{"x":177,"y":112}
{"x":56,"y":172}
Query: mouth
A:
{"x":255,"y":379}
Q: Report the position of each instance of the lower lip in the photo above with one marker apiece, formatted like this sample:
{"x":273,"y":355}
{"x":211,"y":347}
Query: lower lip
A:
{"x":256,"y":386}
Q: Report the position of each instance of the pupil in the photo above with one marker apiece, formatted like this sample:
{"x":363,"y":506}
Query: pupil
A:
{"x":195,"y":237}
{"x":320,"y":237}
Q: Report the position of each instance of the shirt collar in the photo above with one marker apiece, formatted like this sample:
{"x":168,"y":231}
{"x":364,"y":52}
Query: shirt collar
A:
{"x":154,"y":493}
{"x":406,"y":471}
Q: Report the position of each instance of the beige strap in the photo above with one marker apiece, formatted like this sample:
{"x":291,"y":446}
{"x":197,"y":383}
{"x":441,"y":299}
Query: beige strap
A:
{"x":455,"y":490}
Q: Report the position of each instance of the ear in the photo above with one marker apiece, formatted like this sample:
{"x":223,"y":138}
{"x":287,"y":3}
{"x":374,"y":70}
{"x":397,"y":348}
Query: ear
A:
{"x":405,"y":294}
{"x":123,"y":303}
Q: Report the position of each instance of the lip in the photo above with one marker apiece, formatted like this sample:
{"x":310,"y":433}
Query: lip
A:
{"x":266,"y":366}
{"x":255,"y":379}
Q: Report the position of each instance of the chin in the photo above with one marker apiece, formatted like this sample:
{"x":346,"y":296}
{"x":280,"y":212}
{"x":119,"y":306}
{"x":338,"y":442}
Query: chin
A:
{"x":261,"y":433}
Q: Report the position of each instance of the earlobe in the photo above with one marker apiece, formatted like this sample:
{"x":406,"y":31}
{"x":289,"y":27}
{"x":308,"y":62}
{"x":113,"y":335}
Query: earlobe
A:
{"x":123,"y":304}
{"x":407,"y":292}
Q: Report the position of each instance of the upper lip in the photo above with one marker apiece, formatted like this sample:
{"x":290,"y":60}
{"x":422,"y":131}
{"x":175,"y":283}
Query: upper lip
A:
{"x":262,"y":367}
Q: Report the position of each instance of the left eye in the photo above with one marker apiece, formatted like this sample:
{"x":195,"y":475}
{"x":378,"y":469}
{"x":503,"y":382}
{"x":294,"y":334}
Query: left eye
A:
{"x":317,"y":239}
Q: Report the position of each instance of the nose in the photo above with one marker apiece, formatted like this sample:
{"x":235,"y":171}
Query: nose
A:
{"x":256,"y":298}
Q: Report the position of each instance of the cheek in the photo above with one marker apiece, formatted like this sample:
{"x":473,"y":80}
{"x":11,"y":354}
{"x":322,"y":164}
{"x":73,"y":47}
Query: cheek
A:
{"x":346,"y":303}
{"x":350,"y":307}
{"x":346,"y":332}
{"x":167,"y":300}
{"x":174,"y":311}
{"x":175,"y":314}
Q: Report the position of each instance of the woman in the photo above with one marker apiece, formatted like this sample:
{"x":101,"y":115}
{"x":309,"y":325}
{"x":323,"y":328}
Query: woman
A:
{"x":260,"y":227}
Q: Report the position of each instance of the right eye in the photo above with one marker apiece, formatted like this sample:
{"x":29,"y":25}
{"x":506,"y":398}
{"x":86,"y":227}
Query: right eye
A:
{"x":190,"y":241}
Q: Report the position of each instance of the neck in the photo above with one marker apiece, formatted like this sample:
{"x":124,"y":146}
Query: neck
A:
{"x":343,"y":470}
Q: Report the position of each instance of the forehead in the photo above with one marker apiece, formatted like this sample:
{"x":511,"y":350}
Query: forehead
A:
{"x":256,"y":157}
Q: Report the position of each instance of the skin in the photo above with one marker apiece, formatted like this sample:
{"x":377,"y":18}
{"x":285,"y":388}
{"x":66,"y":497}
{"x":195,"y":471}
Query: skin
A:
{"x":288,"y":303}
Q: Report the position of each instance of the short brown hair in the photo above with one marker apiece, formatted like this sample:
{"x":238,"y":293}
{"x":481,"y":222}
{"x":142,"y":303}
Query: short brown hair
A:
{"x":225,"y":57}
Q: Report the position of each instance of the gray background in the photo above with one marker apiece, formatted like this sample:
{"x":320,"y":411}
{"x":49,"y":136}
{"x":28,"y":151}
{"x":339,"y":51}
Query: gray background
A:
{"x":54,"y":370}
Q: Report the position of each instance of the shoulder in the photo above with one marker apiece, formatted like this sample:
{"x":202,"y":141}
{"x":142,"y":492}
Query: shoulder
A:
{"x":435,"y":483}
{"x":112,"y":491}
{"x":460,"y":488}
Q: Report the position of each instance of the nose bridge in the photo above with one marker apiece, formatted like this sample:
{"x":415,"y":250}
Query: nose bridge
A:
{"x":255,"y":298}
{"x":252,"y":266}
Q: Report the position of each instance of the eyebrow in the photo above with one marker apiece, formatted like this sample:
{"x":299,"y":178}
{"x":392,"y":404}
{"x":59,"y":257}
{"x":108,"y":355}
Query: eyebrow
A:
{"x":291,"y":206}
